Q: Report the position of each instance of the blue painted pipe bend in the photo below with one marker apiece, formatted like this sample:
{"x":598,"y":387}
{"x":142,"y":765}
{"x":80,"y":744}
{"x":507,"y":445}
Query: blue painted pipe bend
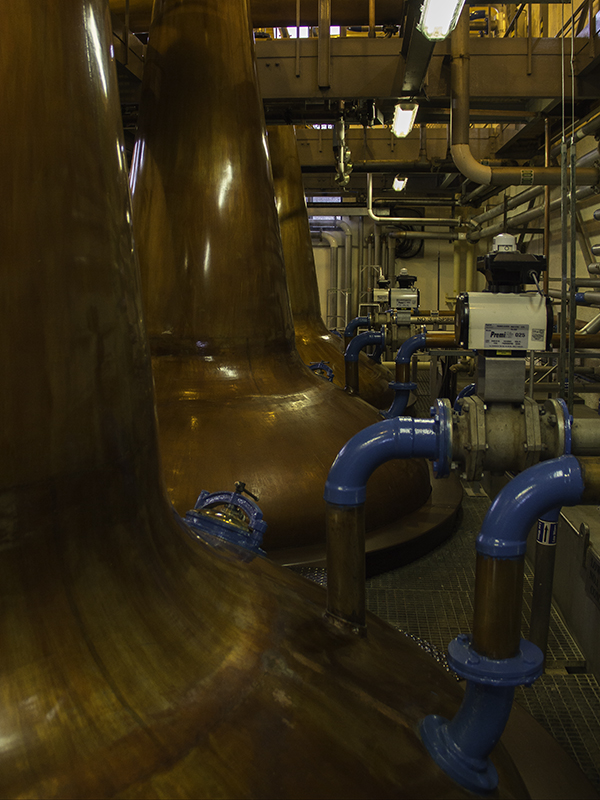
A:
{"x":362,"y":340}
{"x":557,"y":482}
{"x":410,"y":347}
{"x":401,"y":437}
{"x":401,"y":394}
{"x":353,"y":325}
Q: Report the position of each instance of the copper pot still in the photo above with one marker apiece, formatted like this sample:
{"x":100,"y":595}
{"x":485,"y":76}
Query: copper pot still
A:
{"x":137,"y":661}
{"x":235,"y":402}
{"x":314,"y":342}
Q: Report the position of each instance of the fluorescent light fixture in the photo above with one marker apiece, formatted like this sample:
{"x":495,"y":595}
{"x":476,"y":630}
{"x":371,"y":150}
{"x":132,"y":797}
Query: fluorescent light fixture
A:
{"x":404,"y":119}
{"x":439,"y":18}
{"x":399,"y":183}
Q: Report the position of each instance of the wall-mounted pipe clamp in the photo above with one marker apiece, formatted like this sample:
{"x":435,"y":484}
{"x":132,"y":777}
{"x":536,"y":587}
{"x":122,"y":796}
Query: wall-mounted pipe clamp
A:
{"x":229,"y":516}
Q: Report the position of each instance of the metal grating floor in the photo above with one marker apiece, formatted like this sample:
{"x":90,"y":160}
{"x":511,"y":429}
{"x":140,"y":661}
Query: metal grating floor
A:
{"x":431,"y":600}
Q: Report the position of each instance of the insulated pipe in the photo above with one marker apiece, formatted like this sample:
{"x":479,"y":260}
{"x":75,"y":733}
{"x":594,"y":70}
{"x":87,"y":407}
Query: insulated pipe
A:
{"x":352,"y":353}
{"x":581,"y":298}
{"x":470,"y":267}
{"x":449,"y":236}
{"x":526,"y":216}
{"x":345,"y":493}
{"x":498,"y":660}
{"x":348,"y":249}
{"x":593,"y":326}
{"x":333,"y":277}
{"x":513,"y":202}
{"x":459,"y":122}
{"x":456,"y":269}
{"x":451,"y":221}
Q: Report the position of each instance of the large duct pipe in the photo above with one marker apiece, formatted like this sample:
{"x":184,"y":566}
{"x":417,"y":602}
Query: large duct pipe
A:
{"x":314,"y":342}
{"x":235,"y":402}
{"x":136,"y":661}
{"x":459,"y":122}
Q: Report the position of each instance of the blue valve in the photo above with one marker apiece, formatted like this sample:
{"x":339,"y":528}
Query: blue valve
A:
{"x":323,"y":369}
{"x":229,"y":516}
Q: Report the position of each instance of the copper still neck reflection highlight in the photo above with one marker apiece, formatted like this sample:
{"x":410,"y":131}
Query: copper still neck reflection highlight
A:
{"x":235,"y":402}
{"x":314,"y":342}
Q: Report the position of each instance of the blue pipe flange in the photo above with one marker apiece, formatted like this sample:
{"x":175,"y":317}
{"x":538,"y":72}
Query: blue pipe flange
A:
{"x":520,"y":670}
{"x":568,"y":423}
{"x":442,"y":414}
{"x":564,"y":421}
{"x":461,"y":746}
{"x":229,"y":516}
{"x":322,"y":369}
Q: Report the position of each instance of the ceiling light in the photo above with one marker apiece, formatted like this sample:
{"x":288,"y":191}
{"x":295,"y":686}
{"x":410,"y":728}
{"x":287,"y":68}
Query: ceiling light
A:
{"x":399,"y":183}
{"x":439,"y":17}
{"x":404,"y":119}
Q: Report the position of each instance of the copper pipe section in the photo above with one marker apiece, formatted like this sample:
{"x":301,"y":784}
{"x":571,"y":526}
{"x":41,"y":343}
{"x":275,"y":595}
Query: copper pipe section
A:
{"x":439,"y":341}
{"x":234,"y":400}
{"x":313,"y":340}
{"x":135,"y":659}
{"x":583,"y":341}
{"x":273,"y":13}
{"x":590,"y":468}
{"x":498,"y":600}
{"x":402,"y":373}
{"x":346,"y":566}
{"x":352,"y":379}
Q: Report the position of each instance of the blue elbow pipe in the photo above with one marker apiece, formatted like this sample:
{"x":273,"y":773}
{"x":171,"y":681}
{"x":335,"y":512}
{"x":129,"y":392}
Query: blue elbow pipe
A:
{"x":462,"y":746}
{"x":401,"y":437}
{"x":402,"y":390}
{"x":363,"y":340}
{"x":550,"y":484}
{"x":353,"y":325}
{"x":410,"y":347}
{"x":468,"y":391}
{"x":401,"y":394}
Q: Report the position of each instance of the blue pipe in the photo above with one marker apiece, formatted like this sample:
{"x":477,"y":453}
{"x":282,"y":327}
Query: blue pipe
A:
{"x":401,"y":394}
{"x":402,"y":390}
{"x":363,"y":340}
{"x":357,"y":322}
{"x":462,"y":746}
{"x":401,"y":437}
{"x":548,"y":485}
{"x":466,"y":392}
{"x":410,"y":347}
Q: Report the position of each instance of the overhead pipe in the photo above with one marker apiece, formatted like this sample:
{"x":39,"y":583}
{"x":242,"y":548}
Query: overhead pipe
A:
{"x":449,"y":221}
{"x":512,"y":202}
{"x":459,"y":121}
{"x":495,"y":659}
{"x":526,"y":216}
